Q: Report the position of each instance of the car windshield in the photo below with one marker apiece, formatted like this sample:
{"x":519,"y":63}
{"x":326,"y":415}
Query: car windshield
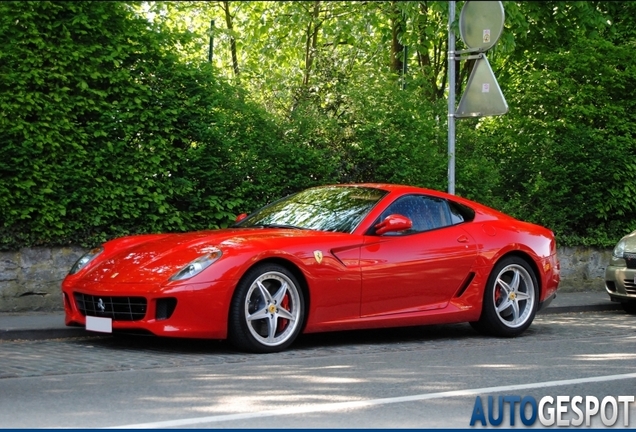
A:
{"x":329,"y":208}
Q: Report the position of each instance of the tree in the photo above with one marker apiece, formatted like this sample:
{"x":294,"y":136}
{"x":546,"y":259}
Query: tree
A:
{"x":565,"y":149}
{"x":112,"y":133}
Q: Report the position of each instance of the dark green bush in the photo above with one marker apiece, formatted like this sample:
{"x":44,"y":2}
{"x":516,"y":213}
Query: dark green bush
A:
{"x":565,"y":153}
{"x":105,"y":132}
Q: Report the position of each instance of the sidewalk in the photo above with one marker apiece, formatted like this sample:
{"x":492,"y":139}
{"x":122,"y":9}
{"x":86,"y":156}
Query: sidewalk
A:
{"x":50,"y":325}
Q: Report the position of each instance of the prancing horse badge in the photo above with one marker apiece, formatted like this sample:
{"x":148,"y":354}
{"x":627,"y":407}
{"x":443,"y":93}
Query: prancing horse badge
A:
{"x":318,"y":256}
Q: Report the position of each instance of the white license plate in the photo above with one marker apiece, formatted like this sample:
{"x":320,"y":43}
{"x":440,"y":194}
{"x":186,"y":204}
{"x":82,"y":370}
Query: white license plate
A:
{"x":97,"y":324}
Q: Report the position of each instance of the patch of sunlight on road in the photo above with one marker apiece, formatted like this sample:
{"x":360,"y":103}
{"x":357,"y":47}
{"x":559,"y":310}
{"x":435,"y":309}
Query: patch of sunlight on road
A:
{"x":263,"y":402}
{"x":605,"y":357}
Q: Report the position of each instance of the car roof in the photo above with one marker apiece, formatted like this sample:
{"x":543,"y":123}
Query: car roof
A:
{"x":399,"y":188}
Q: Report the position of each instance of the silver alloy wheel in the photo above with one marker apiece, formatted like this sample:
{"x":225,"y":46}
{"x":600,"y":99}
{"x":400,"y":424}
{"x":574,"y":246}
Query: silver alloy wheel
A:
{"x":513,"y":296}
{"x":272,"y":308}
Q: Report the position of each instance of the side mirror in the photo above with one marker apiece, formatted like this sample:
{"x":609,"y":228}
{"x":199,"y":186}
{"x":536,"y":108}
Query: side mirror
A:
{"x":240,"y":217}
{"x":393,"y":223}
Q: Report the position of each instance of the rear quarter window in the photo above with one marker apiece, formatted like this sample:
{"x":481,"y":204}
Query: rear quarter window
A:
{"x":460,"y":213}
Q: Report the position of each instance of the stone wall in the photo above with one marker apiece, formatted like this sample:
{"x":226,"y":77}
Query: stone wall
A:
{"x":30,"y":278}
{"x":583,"y":269}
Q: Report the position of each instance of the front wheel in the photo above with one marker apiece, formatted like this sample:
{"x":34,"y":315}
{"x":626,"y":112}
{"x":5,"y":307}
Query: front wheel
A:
{"x":267,"y":310}
{"x":629,"y":307}
{"x":511,"y":299}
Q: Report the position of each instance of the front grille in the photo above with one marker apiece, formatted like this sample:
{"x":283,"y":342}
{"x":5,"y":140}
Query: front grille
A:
{"x":630,"y":286}
{"x":630,"y":259}
{"x":117,"y":308}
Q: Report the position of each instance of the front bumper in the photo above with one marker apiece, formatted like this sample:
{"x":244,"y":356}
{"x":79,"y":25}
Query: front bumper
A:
{"x":545,"y":303}
{"x":201,"y":310}
{"x":620,"y":283}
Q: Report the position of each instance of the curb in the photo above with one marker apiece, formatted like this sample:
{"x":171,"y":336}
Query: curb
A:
{"x":581,"y":308}
{"x":43,"y":334}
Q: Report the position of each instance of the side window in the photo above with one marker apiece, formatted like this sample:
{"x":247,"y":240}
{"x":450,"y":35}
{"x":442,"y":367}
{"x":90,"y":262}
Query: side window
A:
{"x":426,"y":213}
{"x":436,"y":212}
{"x":460,"y":213}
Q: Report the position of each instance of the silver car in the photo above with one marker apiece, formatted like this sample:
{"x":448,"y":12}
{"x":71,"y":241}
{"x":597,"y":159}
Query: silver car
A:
{"x":620,"y":275}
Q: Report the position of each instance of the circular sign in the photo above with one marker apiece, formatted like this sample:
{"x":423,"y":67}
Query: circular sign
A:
{"x":481,"y":24}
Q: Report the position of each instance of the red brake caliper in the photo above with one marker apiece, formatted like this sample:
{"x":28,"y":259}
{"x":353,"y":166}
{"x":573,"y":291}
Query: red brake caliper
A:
{"x":497,"y":294}
{"x":282,"y":324}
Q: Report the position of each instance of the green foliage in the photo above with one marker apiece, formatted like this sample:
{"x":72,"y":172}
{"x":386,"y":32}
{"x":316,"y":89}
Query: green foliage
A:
{"x":111,"y":121}
{"x":109,"y":133}
{"x":566,"y":151}
{"x":396,"y":137}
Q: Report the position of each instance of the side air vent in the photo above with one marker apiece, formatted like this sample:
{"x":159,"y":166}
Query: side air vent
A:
{"x":465,"y":284}
{"x":165,"y":308}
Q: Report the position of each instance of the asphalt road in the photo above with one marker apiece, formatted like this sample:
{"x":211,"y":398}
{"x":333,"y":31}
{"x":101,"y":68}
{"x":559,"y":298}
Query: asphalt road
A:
{"x":424,"y":377}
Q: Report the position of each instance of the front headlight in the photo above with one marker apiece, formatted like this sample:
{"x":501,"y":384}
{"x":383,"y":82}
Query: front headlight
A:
{"x":197,"y":266}
{"x":85,"y":259}
{"x":619,"y":250}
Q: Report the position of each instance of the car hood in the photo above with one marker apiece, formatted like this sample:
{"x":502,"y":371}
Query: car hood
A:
{"x":156,"y":258}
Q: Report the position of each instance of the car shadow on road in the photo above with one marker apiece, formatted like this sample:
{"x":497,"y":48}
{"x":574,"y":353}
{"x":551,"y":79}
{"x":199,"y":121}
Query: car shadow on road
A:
{"x":386,"y":338}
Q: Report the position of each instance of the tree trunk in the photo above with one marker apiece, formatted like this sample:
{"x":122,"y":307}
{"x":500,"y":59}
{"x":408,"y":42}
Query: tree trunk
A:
{"x":311,"y":43}
{"x":230,"y":26}
{"x":397,"y":27}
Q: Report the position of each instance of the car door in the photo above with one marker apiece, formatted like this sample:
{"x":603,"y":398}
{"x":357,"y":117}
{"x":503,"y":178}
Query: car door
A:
{"x":419,"y":269}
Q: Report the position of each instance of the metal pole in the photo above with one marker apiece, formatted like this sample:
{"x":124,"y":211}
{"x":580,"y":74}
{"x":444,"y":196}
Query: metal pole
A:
{"x":451,"y":99}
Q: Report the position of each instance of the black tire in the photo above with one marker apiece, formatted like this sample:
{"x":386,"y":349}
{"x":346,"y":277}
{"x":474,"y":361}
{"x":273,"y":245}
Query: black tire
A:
{"x":629,"y":307}
{"x":267,"y":310}
{"x":511,"y":299}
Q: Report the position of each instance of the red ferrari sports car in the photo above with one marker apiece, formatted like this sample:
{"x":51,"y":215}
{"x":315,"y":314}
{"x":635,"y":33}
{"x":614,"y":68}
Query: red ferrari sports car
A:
{"x":328,"y":258}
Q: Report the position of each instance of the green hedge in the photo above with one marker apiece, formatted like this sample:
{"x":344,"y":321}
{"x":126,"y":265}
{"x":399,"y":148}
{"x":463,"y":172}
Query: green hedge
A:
{"x":106,"y":131}
{"x":566,"y":154}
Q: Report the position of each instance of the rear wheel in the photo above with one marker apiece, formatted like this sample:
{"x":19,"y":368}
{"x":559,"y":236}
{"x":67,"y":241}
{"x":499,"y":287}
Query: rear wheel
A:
{"x":511,"y":299}
{"x":629,"y":307}
{"x":267,"y":310}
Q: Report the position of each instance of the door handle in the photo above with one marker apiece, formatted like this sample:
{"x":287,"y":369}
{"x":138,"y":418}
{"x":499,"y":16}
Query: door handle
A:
{"x":462,"y":239}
